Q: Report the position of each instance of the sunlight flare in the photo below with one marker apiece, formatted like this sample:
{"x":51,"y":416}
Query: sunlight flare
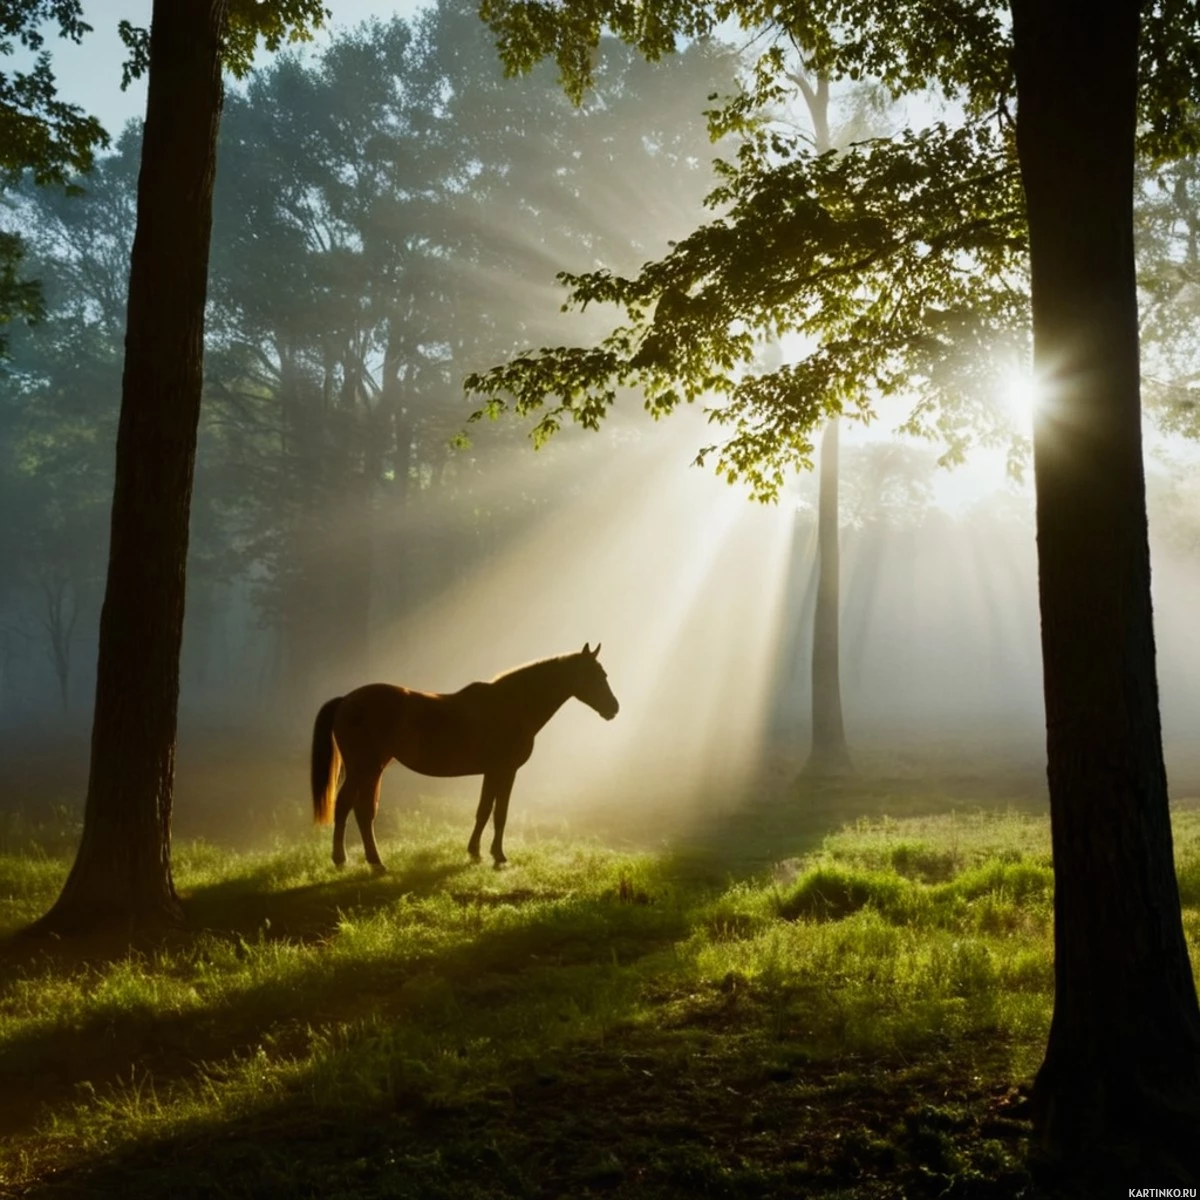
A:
{"x":1021,"y":395}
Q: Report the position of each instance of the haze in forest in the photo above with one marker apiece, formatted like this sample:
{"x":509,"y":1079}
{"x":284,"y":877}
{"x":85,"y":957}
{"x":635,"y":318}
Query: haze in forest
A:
{"x":390,"y":214}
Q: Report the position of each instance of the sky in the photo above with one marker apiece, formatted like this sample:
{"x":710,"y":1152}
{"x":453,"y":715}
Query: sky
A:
{"x":90,"y":74}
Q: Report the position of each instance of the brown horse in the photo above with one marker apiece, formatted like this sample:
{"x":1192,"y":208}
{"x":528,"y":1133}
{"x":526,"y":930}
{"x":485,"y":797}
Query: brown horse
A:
{"x":485,"y":729}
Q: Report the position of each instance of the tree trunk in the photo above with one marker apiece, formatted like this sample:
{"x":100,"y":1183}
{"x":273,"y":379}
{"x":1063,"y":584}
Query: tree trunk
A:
{"x":122,"y":873}
{"x":829,"y":754}
{"x":1122,"y":1069}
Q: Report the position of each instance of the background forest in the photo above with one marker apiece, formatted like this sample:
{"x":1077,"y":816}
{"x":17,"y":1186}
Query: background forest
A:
{"x":390,"y":214}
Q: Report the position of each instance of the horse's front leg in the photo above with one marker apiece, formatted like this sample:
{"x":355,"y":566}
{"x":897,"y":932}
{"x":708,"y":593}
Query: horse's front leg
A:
{"x":487,"y":795}
{"x":504,"y":786}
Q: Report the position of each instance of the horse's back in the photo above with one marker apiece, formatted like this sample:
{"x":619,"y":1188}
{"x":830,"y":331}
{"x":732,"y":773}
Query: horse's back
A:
{"x":429,"y":732}
{"x":363,"y":722}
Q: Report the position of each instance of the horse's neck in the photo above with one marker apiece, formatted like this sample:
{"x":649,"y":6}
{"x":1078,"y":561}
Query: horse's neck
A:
{"x":543,"y":689}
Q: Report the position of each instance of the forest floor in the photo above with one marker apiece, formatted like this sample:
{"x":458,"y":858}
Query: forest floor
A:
{"x":819,"y":993}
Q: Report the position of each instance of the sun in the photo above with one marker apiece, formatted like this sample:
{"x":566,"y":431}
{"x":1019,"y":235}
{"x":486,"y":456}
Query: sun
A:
{"x":1021,"y":395}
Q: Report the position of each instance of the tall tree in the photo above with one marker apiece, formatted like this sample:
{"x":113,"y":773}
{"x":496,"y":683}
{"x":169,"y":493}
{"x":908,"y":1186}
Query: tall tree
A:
{"x":1124,"y":1050}
{"x":904,"y":250}
{"x":122,"y":873}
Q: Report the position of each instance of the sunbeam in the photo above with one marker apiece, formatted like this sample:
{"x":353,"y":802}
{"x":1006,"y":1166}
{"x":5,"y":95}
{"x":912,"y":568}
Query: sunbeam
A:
{"x":676,"y":574}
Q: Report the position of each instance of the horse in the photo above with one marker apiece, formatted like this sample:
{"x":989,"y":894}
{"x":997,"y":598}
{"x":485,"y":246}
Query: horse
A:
{"x":483,"y":729}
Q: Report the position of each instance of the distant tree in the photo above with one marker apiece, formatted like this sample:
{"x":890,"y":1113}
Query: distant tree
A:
{"x":122,"y":873}
{"x":59,"y":396}
{"x":1168,"y":249}
{"x":828,"y":753}
{"x":903,"y":256}
{"x":381,"y":212}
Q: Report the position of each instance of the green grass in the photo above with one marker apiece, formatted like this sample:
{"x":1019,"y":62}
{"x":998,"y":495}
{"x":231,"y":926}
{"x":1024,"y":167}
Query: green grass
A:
{"x":848,"y":1022}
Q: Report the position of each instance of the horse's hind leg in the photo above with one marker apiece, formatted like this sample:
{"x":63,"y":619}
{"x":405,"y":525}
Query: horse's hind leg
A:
{"x":366,"y":804}
{"x":487,"y":796}
{"x":341,"y":812}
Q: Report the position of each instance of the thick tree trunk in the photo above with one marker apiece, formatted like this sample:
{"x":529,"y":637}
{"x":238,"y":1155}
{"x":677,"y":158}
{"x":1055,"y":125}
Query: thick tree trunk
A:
{"x":1121,"y":1077}
{"x":829,"y":755}
{"x":122,"y":874}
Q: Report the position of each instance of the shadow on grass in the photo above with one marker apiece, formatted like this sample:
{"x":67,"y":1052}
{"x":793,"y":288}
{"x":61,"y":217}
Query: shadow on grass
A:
{"x":646,"y":1114}
{"x":322,"y":989}
{"x":248,"y":904}
{"x":245,"y":905}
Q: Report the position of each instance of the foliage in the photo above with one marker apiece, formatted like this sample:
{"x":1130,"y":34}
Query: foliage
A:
{"x":56,"y":142}
{"x":864,"y":252}
{"x":901,"y":263}
{"x":962,"y":48}
{"x":39,"y":133}
{"x":276,"y":22}
{"x":377,"y":206}
{"x":1168,"y":229}
{"x":59,"y":400}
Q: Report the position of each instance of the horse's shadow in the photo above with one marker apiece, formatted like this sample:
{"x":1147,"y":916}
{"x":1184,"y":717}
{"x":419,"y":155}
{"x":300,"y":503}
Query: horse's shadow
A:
{"x":248,"y":904}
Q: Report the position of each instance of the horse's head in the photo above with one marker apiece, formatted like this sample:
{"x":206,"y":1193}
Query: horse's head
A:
{"x":589,"y":682}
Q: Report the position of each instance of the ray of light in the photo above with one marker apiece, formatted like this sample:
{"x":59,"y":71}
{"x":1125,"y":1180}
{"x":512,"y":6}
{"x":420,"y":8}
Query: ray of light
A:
{"x":680,"y":578}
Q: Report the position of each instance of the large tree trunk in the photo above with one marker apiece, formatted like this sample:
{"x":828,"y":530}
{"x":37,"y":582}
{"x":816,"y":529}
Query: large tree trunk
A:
{"x":122,"y":874}
{"x":829,"y":754}
{"x":1121,"y":1075}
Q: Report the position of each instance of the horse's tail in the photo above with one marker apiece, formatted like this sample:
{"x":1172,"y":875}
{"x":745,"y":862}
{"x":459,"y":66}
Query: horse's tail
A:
{"x":326,"y":762}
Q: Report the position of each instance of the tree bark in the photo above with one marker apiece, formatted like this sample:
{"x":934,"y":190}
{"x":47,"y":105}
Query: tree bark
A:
{"x":1121,"y":1077}
{"x":829,"y":754}
{"x":122,"y":873}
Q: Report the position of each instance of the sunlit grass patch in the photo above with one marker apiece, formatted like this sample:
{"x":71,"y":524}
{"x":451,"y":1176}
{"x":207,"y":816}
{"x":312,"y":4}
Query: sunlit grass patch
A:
{"x":864,"y":983}
{"x":933,"y":849}
{"x":28,"y":884}
{"x":1186,"y":829}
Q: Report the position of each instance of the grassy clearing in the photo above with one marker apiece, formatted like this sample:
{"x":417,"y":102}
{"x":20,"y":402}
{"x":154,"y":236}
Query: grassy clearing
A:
{"x":850,"y":1022}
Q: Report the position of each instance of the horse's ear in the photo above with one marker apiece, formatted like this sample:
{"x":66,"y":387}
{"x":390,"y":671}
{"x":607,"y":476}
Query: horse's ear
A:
{"x":596,"y":652}
{"x":586,"y":649}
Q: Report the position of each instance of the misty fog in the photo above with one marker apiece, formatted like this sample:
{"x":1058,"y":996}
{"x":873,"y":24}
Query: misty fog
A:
{"x":390,"y":215}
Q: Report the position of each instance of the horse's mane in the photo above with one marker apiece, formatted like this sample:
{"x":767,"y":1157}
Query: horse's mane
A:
{"x":524,"y":668}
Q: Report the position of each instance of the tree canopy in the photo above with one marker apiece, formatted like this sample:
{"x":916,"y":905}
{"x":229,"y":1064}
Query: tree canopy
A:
{"x":900,"y":265}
